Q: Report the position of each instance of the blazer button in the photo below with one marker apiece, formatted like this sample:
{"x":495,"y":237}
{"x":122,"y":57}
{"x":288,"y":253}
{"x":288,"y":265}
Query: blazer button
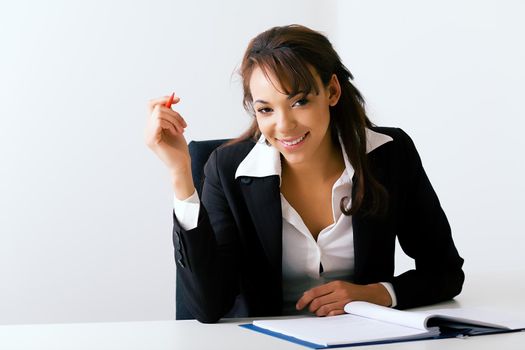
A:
{"x":246,"y":180}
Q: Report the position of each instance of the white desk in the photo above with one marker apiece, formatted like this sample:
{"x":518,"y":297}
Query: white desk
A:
{"x":504,"y":291}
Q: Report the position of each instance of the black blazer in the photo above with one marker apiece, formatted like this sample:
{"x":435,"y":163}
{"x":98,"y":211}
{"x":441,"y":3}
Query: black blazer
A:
{"x":235,"y":252}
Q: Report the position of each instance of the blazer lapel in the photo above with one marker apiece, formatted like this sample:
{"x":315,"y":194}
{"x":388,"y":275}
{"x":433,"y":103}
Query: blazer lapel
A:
{"x":263,"y":199}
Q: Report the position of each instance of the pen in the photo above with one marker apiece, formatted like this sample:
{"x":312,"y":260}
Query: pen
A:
{"x":170,"y":101}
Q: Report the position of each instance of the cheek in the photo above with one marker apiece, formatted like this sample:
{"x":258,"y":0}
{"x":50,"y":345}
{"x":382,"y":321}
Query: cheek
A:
{"x":266,"y":128}
{"x":264,"y":125}
{"x":317,"y":118}
{"x":324,"y":116}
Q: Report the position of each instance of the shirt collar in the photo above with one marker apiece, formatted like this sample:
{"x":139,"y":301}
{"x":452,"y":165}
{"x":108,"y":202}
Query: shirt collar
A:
{"x":265,"y":160}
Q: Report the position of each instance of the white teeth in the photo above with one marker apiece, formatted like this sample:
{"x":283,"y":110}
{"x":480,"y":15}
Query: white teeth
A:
{"x":294,"y":142}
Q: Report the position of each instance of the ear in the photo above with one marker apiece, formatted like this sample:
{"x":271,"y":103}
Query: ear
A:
{"x":334,"y":90}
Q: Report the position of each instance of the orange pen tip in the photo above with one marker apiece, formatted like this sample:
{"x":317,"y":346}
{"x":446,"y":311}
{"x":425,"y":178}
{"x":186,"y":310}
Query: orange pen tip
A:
{"x":170,"y":100}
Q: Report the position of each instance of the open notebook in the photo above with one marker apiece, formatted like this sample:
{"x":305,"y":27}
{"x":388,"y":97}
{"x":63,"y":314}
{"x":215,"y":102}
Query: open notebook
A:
{"x":367,"y":323}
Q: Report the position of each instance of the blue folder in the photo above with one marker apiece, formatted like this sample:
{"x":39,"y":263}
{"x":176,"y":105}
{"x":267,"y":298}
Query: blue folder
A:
{"x":449,"y":333}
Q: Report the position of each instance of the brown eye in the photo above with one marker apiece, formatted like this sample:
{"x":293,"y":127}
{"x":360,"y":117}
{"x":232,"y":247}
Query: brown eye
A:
{"x":264,"y":110}
{"x":301,"y":102}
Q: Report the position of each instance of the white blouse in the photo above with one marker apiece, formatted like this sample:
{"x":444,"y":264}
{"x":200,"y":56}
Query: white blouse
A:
{"x":306,"y":263}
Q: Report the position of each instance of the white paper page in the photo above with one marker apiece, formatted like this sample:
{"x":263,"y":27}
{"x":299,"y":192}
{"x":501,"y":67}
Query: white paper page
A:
{"x":418,"y":319}
{"x":482,"y":316}
{"x":343,"y":329}
{"x":387,"y":314}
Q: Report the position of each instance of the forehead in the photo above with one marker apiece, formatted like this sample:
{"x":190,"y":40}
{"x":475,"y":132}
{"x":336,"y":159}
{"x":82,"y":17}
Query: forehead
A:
{"x":264,"y":87}
{"x":267,"y":86}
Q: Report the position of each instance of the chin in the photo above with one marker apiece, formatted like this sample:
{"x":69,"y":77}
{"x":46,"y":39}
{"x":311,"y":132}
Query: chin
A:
{"x":293,"y":158}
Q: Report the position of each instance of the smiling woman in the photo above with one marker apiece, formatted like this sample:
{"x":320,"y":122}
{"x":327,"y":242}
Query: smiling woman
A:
{"x":298,"y":126}
{"x":301,"y":213}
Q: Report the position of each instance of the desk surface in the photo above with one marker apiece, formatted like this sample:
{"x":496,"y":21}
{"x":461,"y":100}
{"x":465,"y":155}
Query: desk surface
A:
{"x":502,"y":291}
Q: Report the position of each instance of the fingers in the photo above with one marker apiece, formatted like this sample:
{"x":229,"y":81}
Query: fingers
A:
{"x":313,"y":293}
{"x":156,"y":127}
{"x":158,"y":110}
{"x":326,"y":299}
{"x":177,"y":128}
{"x":330,"y":298}
{"x":336,"y":312}
{"x":154,"y":137}
{"x":165,"y":125}
{"x":161,"y":101}
{"x":331,"y":309}
{"x":169,"y":115}
{"x":174,"y":118}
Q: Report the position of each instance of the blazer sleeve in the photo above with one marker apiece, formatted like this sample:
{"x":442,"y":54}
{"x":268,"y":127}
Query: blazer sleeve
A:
{"x":207,"y":256}
{"x":424,"y":234}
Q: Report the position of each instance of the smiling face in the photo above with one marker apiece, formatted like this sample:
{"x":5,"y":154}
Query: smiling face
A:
{"x":298,"y":126}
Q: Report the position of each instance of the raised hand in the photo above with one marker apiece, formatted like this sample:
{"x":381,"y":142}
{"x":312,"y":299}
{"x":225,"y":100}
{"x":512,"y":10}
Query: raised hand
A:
{"x":164,"y":136}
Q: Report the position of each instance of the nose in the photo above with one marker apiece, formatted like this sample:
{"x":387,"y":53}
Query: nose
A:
{"x":285,"y":122}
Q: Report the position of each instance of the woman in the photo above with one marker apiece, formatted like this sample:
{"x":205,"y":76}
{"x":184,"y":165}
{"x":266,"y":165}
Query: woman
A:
{"x":300,"y":214}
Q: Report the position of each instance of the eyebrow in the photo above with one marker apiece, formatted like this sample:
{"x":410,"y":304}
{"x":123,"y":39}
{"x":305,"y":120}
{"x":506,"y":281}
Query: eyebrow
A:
{"x":289,"y":97}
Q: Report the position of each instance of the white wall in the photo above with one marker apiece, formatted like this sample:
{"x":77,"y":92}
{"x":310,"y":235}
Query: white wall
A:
{"x":451,"y":74}
{"x":85,"y":207}
{"x":85,"y":216}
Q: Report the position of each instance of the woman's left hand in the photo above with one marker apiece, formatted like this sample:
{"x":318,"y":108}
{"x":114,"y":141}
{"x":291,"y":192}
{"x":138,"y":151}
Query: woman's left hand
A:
{"x":330,"y":299}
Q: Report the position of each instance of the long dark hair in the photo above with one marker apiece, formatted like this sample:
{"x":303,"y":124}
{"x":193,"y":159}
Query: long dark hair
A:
{"x":288,"y":52}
